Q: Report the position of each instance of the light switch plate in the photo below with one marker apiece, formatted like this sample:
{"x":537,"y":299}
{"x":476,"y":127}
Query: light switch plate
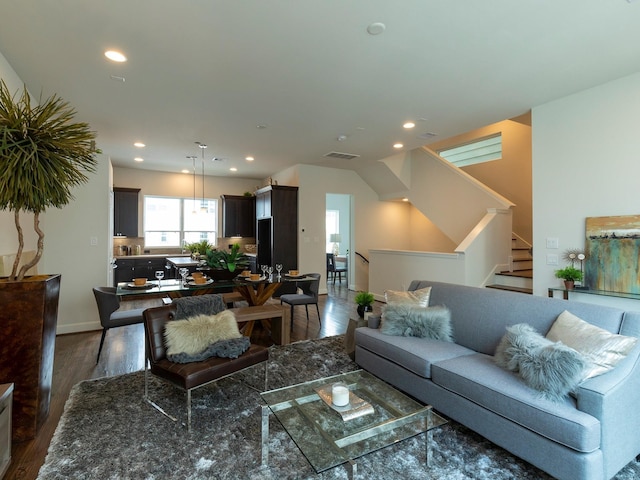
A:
{"x":553,"y":242}
{"x":552,"y":259}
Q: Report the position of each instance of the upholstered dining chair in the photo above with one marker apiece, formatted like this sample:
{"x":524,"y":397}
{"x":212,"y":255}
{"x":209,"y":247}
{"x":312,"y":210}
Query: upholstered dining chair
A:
{"x":332,"y":269}
{"x":309,"y":296}
{"x":110,"y":314}
{"x":192,"y":375}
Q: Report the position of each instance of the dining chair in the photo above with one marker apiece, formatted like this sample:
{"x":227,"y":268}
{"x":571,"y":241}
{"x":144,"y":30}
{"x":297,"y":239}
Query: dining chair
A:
{"x":332,"y":269}
{"x":309,"y":296}
{"x":110,"y":314}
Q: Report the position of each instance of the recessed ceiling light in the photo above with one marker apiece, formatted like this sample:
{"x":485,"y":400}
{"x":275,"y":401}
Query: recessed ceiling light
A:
{"x":398,"y":145}
{"x":405,"y":199}
{"x":185,"y":171}
{"x":376,"y":28}
{"x":139,"y":145}
{"x":115,"y":56}
{"x":261,"y":126}
{"x":139,"y":159}
{"x":249,"y":159}
{"x":233,"y":169}
{"x":409,"y":125}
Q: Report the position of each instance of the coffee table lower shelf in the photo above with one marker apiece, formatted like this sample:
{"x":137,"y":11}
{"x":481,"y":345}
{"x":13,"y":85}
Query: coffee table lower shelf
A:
{"x":326,"y":440}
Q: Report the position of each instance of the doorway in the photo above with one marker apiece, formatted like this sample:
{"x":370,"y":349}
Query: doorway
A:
{"x":338,"y":234}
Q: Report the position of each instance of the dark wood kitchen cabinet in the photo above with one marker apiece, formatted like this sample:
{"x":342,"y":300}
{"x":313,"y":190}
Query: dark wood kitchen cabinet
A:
{"x":277,"y":228}
{"x":129,"y":268}
{"x":125,"y":211}
{"x":238,"y":216}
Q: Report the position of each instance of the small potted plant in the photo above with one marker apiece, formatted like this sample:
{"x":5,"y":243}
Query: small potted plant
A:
{"x":570,"y":275}
{"x":200,"y":248}
{"x":365,"y":302}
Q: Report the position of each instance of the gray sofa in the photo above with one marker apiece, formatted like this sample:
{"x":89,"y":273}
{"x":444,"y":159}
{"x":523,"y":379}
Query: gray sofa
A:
{"x":589,"y":435}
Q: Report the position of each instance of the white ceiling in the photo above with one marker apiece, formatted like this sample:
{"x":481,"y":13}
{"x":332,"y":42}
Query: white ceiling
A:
{"x":307,"y":70}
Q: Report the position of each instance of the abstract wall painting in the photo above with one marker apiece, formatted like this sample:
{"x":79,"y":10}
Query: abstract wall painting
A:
{"x":613,"y":253}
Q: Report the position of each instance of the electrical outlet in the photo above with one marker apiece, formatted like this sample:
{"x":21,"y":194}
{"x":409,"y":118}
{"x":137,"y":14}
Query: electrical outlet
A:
{"x":93,"y":241}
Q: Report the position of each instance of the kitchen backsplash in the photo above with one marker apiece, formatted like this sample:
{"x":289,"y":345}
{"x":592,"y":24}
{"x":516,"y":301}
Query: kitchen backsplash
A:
{"x":132,"y":245}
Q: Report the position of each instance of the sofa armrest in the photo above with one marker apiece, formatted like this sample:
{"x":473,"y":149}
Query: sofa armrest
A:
{"x":374,"y":321}
{"x":613,"y":399}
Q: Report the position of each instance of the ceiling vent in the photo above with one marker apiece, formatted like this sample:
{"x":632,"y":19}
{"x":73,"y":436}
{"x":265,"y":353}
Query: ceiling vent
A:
{"x":428,"y":135}
{"x":344,"y":156}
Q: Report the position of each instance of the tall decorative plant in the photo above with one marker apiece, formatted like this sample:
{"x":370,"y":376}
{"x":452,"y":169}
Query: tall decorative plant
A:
{"x":43,"y":155}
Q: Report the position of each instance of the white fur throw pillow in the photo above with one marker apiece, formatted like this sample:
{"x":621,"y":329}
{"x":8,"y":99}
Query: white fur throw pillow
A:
{"x":193,"y":335}
{"x":602,"y":348}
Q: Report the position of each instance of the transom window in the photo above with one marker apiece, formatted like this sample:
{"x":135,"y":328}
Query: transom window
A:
{"x":170,"y":221}
{"x":484,"y":150}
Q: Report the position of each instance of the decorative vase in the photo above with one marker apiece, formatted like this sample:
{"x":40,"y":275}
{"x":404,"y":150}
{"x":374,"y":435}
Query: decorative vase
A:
{"x":363,"y":308}
{"x":569,"y":284}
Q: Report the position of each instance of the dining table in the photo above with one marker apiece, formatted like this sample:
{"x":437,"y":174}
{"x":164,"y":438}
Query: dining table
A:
{"x":254,"y":292}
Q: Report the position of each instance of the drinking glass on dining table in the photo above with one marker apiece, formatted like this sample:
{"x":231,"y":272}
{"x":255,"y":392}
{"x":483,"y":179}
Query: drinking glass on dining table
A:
{"x":159,"y":276}
{"x":279,"y":269}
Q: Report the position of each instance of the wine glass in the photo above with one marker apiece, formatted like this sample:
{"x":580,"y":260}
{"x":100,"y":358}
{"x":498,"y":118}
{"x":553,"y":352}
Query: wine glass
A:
{"x":270,"y":271}
{"x":159,"y":276}
{"x":264,"y":270}
{"x":184,"y":272}
{"x":279,"y":269}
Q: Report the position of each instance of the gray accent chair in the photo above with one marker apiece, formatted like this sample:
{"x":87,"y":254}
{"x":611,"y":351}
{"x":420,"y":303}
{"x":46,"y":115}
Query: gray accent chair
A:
{"x":110,"y":314}
{"x":309,"y":296}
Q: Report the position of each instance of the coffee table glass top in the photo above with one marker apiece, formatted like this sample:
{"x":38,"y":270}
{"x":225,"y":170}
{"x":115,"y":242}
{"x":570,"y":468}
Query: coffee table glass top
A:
{"x":326,"y":440}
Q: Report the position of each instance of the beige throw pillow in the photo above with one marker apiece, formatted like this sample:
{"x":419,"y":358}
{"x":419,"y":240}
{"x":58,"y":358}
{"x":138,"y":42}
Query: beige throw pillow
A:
{"x":602,"y":349}
{"x":419,"y":297}
{"x":193,"y":335}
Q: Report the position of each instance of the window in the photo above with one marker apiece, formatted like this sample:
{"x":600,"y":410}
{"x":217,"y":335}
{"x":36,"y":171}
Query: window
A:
{"x":332,"y":226}
{"x":168,"y":221}
{"x":484,"y":150}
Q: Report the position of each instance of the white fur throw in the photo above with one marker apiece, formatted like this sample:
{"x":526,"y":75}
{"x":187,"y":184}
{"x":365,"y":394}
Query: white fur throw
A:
{"x":407,"y":320}
{"x":193,"y":335}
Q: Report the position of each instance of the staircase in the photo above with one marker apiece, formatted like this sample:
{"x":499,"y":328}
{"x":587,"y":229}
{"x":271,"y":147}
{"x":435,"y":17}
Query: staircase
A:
{"x":519,"y":278}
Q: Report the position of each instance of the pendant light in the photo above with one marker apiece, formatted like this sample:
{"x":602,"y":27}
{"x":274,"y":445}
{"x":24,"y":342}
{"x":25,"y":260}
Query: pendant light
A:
{"x":193,"y":159}
{"x":202,"y":146}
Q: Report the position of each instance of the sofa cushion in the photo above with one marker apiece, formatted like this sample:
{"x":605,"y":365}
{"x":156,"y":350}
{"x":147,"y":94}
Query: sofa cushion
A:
{"x":477,"y":378}
{"x":415,"y":321}
{"x":602,"y":349}
{"x":551,"y":368}
{"x":414,"y":354}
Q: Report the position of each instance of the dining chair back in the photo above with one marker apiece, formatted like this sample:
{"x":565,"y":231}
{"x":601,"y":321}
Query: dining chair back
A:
{"x":309,"y":296}
{"x":332,"y":269}
{"x":110,"y":314}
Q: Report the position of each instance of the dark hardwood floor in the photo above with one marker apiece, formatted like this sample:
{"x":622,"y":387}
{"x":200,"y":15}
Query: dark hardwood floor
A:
{"x":123,"y":352}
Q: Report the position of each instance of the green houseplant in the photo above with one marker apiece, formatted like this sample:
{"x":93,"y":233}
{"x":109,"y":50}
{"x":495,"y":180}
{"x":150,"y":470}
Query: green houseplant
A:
{"x":44,"y":154}
{"x":570,"y":275}
{"x":223,"y":261}
{"x":365,"y":302}
{"x":200,"y":247}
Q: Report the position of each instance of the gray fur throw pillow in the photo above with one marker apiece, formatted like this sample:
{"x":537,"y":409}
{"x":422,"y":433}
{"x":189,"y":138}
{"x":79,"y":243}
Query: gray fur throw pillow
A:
{"x":407,"y":320}
{"x":553,"y":369}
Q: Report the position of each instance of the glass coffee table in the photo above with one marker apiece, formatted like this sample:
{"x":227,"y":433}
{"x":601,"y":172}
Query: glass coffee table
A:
{"x":326,"y":440}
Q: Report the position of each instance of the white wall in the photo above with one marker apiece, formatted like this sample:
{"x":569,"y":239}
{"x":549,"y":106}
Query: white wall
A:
{"x":586,"y":163}
{"x":375,"y":224}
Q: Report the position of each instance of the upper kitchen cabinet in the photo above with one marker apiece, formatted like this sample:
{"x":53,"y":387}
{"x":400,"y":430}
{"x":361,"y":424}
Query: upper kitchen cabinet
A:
{"x":125,"y":211}
{"x":238,"y":216}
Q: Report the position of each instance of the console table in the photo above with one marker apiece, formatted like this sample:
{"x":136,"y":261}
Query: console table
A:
{"x":565,"y":293}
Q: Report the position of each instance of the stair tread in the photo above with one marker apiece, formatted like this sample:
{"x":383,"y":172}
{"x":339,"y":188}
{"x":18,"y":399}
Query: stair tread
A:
{"x":518,"y":273}
{"x":528,"y":291}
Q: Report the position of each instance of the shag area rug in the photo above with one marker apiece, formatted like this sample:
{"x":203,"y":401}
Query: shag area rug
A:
{"x":108,"y":431}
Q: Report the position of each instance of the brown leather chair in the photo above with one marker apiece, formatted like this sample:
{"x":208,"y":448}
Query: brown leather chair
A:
{"x":188,"y":376}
